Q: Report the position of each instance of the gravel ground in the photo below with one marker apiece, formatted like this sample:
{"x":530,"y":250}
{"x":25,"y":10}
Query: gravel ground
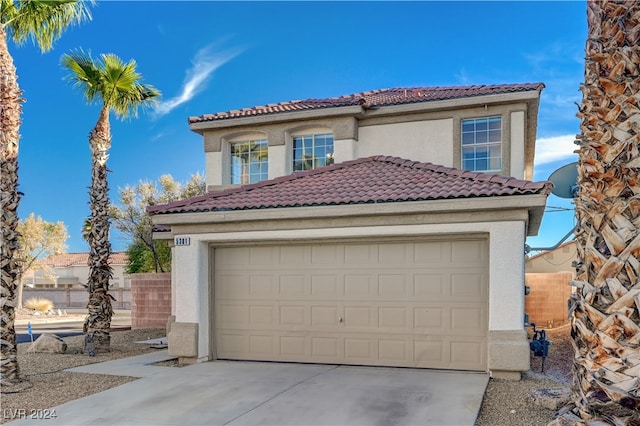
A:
{"x":505,"y":402}
{"x":46,"y":385}
{"x":508,"y":403}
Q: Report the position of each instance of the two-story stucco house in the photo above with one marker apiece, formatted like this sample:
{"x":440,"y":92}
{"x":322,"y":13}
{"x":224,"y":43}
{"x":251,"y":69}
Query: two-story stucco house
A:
{"x":380,"y":228}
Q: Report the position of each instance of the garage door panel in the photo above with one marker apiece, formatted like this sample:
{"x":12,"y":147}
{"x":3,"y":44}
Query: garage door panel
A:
{"x":468,"y":286}
{"x":431,"y":353}
{"x":392,"y":319}
{"x":292,"y":286}
{"x":292,"y":256}
{"x":261,"y":286}
{"x":392,"y":286}
{"x":467,"y":353}
{"x":430,"y":253}
{"x":357,"y":286}
{"x":392,"y":254}
{"x":359,"y":317}
{"x":360,"y":255}
{"x":359,"y":350}
{"x":430,"y":319}
{"x":325,"y":255}
{"x":293,"y":317}
{"x":263,"y":256}
{"x":324,"y":286}
{"x":430,"y":286}
{"x":468,"y":253}
{"x":293,"y":347}
{"x":468,"y":320}
{"x":416,"y":304}
{"x":325,"y":348}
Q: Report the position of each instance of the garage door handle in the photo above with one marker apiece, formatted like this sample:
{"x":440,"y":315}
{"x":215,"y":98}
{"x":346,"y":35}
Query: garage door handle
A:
{"x":339,"y":319}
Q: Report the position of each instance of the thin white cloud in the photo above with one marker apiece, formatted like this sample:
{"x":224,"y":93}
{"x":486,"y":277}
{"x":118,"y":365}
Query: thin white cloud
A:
{"x":549,"y":150}
{"x":205,"y":62}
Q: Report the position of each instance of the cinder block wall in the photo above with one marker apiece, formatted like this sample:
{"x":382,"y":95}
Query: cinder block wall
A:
{"x":150,"y":300}
{"x":546,"y":303}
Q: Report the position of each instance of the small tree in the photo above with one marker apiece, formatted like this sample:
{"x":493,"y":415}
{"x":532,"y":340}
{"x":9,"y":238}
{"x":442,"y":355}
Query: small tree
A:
{"x":130,"y":218}
{"x":38,"y":239}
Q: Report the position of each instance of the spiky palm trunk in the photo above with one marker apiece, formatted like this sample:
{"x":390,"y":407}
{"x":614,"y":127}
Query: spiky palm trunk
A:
{"x":98,"y":321}
{"x":605,"y":322}
{"x":10,"y":112}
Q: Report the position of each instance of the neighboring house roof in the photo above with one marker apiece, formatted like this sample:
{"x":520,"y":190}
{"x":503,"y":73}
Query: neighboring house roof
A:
{"x":542,"y":253}
{"x":65,"y":260}
{"x":374,"y":99}
{"x":377,"y":179}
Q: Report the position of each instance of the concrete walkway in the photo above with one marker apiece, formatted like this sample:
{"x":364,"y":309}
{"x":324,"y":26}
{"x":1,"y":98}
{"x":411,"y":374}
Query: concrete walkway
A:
{"x":263,"y":393}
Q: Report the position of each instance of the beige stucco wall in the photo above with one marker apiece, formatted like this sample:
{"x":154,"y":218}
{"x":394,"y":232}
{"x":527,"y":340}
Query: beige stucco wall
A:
{"x":426,"y":141}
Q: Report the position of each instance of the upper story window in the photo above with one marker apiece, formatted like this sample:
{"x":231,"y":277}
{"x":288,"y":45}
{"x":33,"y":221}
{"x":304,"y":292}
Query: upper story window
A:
{"x":249,"y":161}
{"x":312,"y":151}
{"x":482,"y":144}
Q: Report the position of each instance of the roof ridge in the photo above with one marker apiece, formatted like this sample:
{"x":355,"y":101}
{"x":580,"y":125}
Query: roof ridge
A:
{"x":371,"y":98}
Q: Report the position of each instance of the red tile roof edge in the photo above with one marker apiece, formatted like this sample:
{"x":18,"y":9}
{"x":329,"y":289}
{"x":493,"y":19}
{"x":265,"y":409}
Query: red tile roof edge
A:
{"x":543,"y":187}
{"x":373,"y":98}
{"x":64,"y":260}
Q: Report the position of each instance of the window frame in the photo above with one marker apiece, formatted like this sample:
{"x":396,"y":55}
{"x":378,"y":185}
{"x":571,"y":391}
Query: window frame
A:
{"x":262,"y":164}
{"x":329,"y":157}
{"x":482,"y":141}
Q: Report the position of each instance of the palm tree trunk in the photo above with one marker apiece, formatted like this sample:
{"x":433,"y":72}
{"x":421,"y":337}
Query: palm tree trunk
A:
{"x":10,"y":112}
{"x":605,"y":322}
{"x":98,"y":320}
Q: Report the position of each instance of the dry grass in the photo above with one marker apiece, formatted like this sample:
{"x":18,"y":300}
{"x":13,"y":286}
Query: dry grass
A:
{"x":38,"y":304}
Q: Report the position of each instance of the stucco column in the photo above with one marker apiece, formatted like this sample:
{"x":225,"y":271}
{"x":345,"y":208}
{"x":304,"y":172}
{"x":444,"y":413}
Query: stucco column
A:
{"x":508,"y":345}
{"x":517,"y":144}
{"x":189,"y":335}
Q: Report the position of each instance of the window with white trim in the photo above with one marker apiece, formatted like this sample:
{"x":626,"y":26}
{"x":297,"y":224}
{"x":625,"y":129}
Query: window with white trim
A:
{"x":312,"y":151}
{"x":482,"y":144}
{"x":249,"y":161}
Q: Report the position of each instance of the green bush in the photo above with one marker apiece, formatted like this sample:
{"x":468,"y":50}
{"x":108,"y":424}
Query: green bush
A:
{"x":39,"y":304}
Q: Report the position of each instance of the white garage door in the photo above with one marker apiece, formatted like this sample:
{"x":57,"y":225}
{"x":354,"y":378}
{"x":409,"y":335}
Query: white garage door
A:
{"x":411,"y":304}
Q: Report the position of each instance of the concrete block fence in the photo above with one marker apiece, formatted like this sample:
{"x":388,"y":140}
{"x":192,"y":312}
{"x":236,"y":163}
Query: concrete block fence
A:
{"x":150,"y":300}
{"x":547,"y":302}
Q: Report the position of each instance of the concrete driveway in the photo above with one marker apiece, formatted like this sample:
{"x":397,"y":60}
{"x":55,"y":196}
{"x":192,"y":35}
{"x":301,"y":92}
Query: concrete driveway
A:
{"x":262,"y":393}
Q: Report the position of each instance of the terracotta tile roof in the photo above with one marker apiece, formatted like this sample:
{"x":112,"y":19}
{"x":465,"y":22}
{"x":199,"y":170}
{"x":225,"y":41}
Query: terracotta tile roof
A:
{"x":70,"y":259}
{"x":377,"y":179}
{"x":375,"y":98}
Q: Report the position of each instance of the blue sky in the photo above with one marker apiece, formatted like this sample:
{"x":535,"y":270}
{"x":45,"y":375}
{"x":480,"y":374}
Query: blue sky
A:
{"x":208,"y":57}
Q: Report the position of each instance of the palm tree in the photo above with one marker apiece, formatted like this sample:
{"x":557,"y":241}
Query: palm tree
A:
{"x":43,"y":22}
{"x":117,"y":87}
{"x":605,"y":322}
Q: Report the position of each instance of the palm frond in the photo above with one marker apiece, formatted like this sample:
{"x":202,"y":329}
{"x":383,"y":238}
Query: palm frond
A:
{"x":85,"y":74}
{"x":116,"y":83}
{"x":42,"y":21}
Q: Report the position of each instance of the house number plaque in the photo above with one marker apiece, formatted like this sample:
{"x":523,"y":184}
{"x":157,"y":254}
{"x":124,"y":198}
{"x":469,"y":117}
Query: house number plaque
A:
{"x":182,"y":241}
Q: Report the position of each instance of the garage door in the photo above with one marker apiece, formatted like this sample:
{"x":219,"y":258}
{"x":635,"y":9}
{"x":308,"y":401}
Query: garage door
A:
{"x":412,"y":304}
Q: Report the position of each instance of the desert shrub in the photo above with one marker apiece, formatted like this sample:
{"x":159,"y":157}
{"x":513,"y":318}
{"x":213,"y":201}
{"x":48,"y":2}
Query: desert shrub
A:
{"x":39,"y":304}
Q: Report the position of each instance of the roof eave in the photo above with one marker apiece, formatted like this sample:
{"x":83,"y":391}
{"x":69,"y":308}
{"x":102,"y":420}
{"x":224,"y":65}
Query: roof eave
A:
{"x":534,"y":204}
{"x":202,"y":126}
